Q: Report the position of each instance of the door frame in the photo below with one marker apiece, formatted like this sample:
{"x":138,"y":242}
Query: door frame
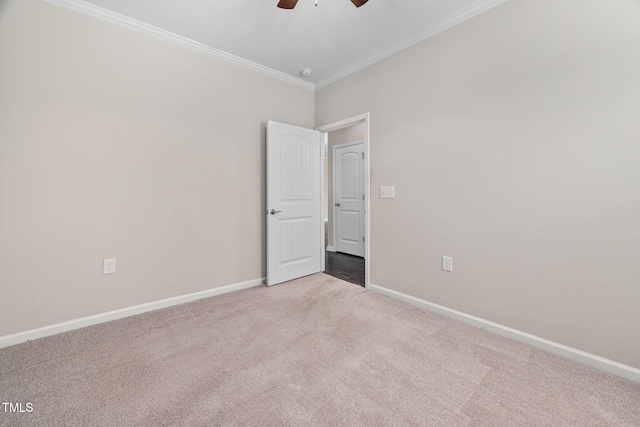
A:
{"x":334,"y":223}
{"x":341,"y":124}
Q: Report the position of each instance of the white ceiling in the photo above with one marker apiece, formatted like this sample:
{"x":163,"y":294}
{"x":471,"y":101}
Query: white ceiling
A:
{"x":333,"y":39}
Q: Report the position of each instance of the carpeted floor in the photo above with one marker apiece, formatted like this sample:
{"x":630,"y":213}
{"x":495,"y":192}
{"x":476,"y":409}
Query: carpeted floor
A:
{"x":316,"y":351}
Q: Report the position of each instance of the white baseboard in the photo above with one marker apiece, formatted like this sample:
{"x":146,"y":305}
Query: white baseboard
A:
{"x":57,"y":328}
{"x":331,"y":249}
{"x":580,"y":356}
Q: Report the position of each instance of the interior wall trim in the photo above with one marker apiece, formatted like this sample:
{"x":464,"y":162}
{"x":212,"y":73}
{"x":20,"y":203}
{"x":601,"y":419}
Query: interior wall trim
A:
{"x":474,"y":9}
{"x":70,"y":325}
{"x":601,"y":363}
{"x":150,"y":30}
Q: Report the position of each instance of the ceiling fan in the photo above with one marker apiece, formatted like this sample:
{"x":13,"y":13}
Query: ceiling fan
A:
{"x":290,"y":4}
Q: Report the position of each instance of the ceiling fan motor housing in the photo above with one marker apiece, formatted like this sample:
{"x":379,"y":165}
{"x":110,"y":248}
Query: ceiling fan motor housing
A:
{"x":290,"y":4}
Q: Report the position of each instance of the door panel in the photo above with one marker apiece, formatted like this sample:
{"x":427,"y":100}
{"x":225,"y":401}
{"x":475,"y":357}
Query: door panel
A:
{"x":294,"y":226}
{"x":349,"y":222}
{"x":296,"y":240}
{"x":349,"y":198}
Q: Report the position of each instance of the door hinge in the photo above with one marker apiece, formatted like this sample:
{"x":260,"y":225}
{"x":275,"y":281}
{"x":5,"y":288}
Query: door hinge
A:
{"x":363,"y":197}
{"x":363,"y":155}
{"x":363,"y":238}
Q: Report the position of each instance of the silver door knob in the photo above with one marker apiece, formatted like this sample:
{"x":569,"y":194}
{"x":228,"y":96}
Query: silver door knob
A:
{"x":338,"y":204}
{"x":273,"y":211}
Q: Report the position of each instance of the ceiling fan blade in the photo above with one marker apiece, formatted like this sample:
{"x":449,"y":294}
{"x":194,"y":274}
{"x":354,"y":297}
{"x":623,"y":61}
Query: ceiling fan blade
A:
{"x":287,"y":4}
{"x":359,"y":3}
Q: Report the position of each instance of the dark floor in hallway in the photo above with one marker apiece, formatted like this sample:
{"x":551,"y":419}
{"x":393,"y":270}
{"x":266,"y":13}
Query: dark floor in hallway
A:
{"x":345,"y":267}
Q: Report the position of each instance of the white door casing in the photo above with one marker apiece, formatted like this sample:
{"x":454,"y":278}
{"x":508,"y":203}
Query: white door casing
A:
{"x":349,"y":192}
{"x":341,"y":124}
{"x":294,"y":210}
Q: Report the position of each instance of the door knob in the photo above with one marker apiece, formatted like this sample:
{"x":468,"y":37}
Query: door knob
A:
{"x":338,"y":204}
{"x":273,"y":211}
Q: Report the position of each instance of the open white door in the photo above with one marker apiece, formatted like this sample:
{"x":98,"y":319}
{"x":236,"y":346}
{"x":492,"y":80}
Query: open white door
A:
{"x":294,"y":220}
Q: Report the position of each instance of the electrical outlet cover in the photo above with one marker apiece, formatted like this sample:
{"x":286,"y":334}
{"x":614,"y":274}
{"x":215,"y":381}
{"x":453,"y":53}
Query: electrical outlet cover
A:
{"x":447,"y":263}
{"x":109,"y":266}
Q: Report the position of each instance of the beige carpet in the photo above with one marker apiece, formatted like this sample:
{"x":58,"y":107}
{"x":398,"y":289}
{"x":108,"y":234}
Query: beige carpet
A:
{"x":312,"y":352}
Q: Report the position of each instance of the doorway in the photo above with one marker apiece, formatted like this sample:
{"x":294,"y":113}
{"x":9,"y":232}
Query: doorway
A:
{"x":347,"y":222}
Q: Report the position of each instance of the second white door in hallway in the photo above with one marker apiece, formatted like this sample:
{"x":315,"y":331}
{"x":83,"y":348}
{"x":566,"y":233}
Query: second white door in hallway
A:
{"x":348,"y":196}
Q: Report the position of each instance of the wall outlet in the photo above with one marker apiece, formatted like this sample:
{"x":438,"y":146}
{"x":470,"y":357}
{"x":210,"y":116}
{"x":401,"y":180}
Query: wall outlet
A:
{"x":447,"y":263}
{"x":109,"y":266}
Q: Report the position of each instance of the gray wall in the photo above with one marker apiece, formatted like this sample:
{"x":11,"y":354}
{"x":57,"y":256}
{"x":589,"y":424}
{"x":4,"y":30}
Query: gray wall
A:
{"x":114,"y":144}
{"x":513,"y":143}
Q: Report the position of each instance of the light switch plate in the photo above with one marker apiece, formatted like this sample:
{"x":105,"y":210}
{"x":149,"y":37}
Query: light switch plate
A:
{"x":109,"y":266}
{"x":387,"y":192}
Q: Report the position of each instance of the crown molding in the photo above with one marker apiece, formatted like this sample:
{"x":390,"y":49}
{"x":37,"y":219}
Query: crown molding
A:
{"x":98,"y":12}
{"x":439,"y":26}
{"x":150,"y":30}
